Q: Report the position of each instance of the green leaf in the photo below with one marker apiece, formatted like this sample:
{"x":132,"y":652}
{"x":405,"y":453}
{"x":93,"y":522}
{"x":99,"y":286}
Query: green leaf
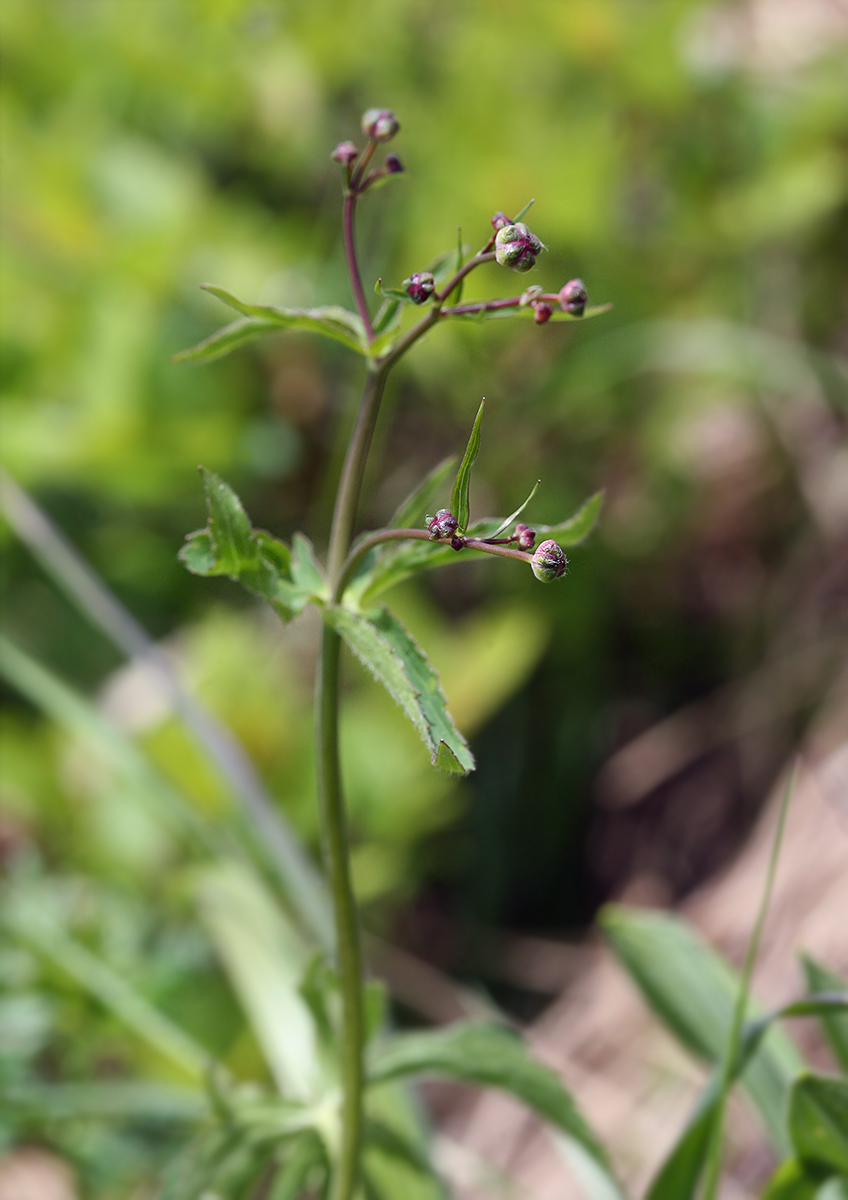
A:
{"x":834,"y":1027}
{"x":818,"y":1120}
{"x":692,"y":990}
{"x":521,"y":214}
{"x":507,"y":521}
{"x":331,"y":320}
{"x":265,"y":958}
{"x":459,"y":500}
{"x":487,"y":1056}
{"x":306,"y":1159}
{"x":525,"y":312}
{"x":792,"y":1181}
{"x":678,"y":1177}
{"x":577,"y":527}
{"x":264,"y":565}
{"x":382,"y":644}
{"x":399,"y":294}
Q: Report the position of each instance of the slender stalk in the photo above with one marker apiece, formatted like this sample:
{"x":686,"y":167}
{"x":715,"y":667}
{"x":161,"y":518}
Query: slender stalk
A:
{"x":348,"y":949}
{"x":352,"y":264}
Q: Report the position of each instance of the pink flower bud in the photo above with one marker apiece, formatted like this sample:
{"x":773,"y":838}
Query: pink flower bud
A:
{"x":549,"y":561}
{"x":420,"y":286}
{"x":345,"y":153}
{"x":542,"y":313}
{"x":443,"y":525}
{"x":525,"y":536}
{"x":573,"y":297}
{"x":380,"y":124}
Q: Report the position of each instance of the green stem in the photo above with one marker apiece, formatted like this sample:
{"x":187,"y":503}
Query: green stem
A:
{"x":348,"y":950}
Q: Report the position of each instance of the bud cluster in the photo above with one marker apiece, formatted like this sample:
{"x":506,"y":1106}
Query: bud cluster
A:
{"x":516,"y":246}
{"x":378,"y":125}
{"x":443,"y":525}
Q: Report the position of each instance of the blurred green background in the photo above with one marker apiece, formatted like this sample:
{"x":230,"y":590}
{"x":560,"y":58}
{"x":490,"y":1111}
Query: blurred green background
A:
{"x":690,"y":162}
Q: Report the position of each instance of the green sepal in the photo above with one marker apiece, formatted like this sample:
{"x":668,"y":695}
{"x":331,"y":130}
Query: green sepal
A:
{"x":459,"y":499}
{"x":331,"y":320}
{"x":395,"y":659}
{"x":229,"y":545}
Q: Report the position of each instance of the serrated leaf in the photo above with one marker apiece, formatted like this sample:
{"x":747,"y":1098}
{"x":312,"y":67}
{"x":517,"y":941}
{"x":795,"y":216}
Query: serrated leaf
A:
{"x":487,"y":1056}
{"x":257,"y":319}
{"x":393,"y":657}
{"x":459,"y":499}
{"x":692,"y":990}
{"x":577,"y":527}
{"x":834,"y":1026}
{"x":264,"y":565}
{"x":507,"y":521}
{"x":818,"y":1120}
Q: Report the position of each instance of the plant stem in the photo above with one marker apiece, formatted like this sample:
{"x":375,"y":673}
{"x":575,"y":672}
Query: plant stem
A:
{"x":348,"y":950}
{"x":352,"y":264}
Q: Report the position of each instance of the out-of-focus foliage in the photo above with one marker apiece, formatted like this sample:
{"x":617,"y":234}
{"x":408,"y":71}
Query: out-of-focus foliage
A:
{"x":689,"y":162}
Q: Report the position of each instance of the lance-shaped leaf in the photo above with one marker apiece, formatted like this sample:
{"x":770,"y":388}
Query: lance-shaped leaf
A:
{"x":459,"y":500}
{"x":834,"y":1026}
{"x":577,"y":527}
{"x":393,"y":657}
{"x":507,"y":521}
{"x":525,"y":311}
{"x":693,"y":991}
{"x":488,"y":1056}
{"x":229,"y":545}
{"x":331,"y":320}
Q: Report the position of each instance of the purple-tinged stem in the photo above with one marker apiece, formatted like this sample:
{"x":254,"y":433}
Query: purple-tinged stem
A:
{"x":353,"y":265}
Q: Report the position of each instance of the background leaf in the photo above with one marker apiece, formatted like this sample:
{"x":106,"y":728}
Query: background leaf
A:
{"x":818,"y":1121}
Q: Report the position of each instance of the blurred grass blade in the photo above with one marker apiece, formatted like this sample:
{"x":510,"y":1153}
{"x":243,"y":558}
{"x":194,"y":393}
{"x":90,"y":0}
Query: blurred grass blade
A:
{"x":818,"y":1121}
{"x":834,"y":1026}
{"x":306,"y":1157}
{"x":28,"y":924}
{"x":459,"y":499}
{"x":83,"y":720}
{"x":272,"y":836}
{"x":487,"y":1056}
{"x":265,"y":959}
{"x":693,"y":991}
{"x":396,"y":661}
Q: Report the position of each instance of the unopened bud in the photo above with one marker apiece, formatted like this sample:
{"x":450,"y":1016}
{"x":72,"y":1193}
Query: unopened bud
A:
{"x":525,"y":536}
{"x":392,"y":165}
{"x":458,"y":543}
{"x":549,"y":561}
{"x":443,"y":525}
{"x":542,"y":313}
{"x":345,"y":153}
{"x":380,"y":124}
{"x":517,"y":247}
{"x":573,"y":297}
{"x":499,"y":221}
{"x":420,"y":286}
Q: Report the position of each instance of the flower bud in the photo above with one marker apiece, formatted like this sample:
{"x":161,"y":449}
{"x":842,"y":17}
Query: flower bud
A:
{"x":457,"y":543}
{"x":517,"y":247}
{"x":443,"y":525}
{"x":573,"y":297}
{"x":420,"y":286}
{"x":549,"y":561}
{"x":525,"y":536}
{"x":542,"y":313}
{"x":345,"y":153}
{"x":392,"y":165}
{"x":499,"y":220}
{"x":380,"y":124}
